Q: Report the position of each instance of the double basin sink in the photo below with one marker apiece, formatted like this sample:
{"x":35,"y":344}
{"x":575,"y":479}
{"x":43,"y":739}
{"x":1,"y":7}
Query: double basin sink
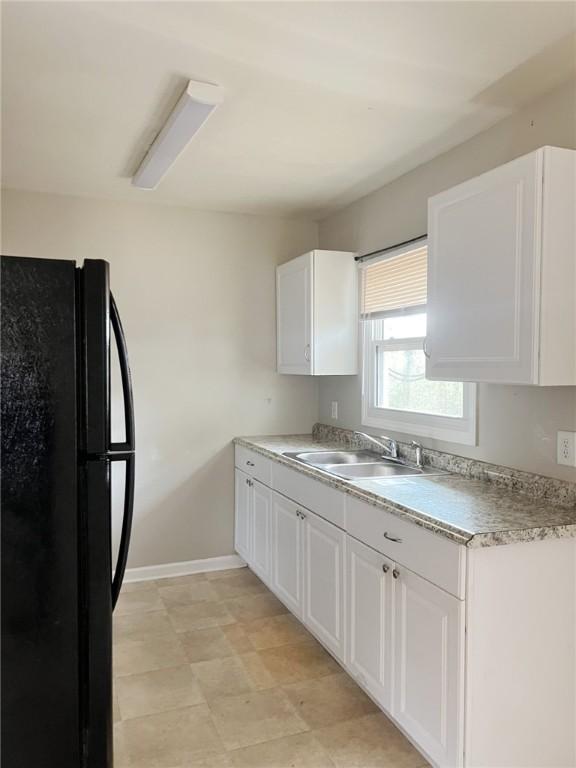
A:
{"x":358,"y":465}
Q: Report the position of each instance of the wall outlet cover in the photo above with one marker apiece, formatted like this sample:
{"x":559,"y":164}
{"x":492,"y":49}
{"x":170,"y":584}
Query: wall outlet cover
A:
{"x":566,"y":449}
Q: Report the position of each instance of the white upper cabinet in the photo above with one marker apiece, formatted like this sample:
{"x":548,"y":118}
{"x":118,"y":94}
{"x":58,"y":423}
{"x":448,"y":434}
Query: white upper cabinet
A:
{"x":502,"y":274}
{"x":317,"y":314}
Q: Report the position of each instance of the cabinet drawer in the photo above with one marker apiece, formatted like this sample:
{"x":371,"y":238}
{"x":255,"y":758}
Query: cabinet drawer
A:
{"x":254,"y":464}
{"x":324,"y":501}
{"x":427,"y":554}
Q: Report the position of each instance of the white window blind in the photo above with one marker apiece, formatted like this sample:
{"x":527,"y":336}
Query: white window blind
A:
{"x":397,"y":282}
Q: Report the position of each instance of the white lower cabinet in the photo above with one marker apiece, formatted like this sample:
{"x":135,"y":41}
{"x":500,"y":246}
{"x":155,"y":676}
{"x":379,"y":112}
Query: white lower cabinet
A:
{"x":370,"y":616}
{"x":324,"y":583}
{"x":287,"y":580}
{"x":428,"y":666}
{"x":261,"y":503}
{"x":390,"y":601}
{"x":243,"y":515}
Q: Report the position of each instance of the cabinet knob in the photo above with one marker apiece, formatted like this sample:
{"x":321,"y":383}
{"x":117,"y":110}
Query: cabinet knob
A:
{"x":249,"y":483}
{"x":250,"y":463}
{"x":385,"y":568}
{"x":396,"y":573}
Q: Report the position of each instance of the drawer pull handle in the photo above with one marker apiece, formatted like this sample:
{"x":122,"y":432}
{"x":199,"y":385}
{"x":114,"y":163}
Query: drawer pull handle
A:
{"x":395,"y":573}
{"x":250,"y":463}
{"x":392,"y":538}
{"x":385,"y":568}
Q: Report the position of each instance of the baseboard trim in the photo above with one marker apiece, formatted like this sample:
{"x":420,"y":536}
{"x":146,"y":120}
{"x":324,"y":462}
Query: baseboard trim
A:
{"x":149,"y":572}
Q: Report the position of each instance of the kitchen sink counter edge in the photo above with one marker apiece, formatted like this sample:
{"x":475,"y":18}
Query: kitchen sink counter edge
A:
{"x":474,"y":513}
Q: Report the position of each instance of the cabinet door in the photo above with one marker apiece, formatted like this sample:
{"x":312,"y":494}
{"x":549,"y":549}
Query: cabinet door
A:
{"x":243,"y":516}
{"x":294,"y":292}
{"x":287,"y":553}
{"x":428,"y":661}
{"x":324,"y":549}
{"x":483,"y":276}
{"x":261,"y":530}
{"x":370,"y":616}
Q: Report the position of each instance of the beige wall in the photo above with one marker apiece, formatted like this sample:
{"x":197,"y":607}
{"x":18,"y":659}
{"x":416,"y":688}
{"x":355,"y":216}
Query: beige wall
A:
{"x":196,"y":295}
{"x":517,"y":425}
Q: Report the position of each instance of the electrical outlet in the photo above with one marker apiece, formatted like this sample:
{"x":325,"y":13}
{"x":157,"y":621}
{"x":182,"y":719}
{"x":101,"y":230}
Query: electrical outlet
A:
{"x":566,"y":449}
{"x":334,"y":409}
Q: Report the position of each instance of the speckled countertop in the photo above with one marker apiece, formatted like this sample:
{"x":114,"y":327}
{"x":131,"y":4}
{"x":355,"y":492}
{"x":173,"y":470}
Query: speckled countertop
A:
{"x":475,"y":513}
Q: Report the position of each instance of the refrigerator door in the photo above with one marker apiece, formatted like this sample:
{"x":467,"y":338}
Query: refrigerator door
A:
{"x":40,"y":624}
{"x":94,"y":507}
{"x":98,"y":315}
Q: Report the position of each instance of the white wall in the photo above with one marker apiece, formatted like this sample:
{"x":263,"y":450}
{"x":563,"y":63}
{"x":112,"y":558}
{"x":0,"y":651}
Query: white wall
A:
{"x":517,"y":425}
{"x":196,"y":296}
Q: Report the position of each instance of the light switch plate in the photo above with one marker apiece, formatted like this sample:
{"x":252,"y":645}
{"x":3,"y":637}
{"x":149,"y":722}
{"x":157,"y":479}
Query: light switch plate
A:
{"x":334,"y":409}
{"x":566,"y":450}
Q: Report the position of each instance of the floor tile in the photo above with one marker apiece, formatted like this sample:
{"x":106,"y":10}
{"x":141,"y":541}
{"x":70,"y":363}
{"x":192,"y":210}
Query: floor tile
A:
{"x":180,"y":581}
{"x":142,"y":626}
{"x":253,"y":607}
{"x":187,"y":594}
{"x":328,"y":700}
{"x":239,"y":573}
{"x":158,"y":691}
{"x":131,"y":657}
{"x":120,"y":753}
{"x":275,"y":631}
{"x":211,"y":643}
{"x":371,"y":741}
{"x":302,"y":661}
{"x":256,"y":717}
{"x":176,"y":739}
{"x":137,"y":586}
{"x":302,"y":750}
{"x":237,"y":637}
{"x":139,"y":601}
{"x":199,"y":616}
{"x":115,"y":708}
{"x":242,"y":585}
{"x":232,"y":676}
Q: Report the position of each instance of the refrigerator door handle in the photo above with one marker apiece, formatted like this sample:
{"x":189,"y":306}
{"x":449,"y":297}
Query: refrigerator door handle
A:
{"x":123,"y":451}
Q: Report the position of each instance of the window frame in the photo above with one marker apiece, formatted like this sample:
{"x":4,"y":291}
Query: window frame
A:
{"x":447,"y":428}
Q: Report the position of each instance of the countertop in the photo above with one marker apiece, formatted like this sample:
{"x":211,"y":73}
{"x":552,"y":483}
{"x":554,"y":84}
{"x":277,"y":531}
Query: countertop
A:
{"x":475,"y":513}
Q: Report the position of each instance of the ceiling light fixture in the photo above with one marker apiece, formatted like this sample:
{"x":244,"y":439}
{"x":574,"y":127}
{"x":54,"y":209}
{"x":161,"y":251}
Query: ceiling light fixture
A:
{"x":194,"y":107}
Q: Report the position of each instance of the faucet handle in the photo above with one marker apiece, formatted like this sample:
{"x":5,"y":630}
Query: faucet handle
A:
{"x":393,"y":445}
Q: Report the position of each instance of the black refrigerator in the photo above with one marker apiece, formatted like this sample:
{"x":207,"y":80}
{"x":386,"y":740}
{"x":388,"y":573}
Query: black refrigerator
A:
{"x":59,"y":584}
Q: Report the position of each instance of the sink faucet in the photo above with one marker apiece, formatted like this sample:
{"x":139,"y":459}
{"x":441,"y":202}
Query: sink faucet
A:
{"x":418,"y":448}
{"x":386,"y":444}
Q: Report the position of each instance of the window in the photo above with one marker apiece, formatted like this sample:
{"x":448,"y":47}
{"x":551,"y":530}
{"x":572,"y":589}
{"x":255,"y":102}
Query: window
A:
{"x":395,"y":392}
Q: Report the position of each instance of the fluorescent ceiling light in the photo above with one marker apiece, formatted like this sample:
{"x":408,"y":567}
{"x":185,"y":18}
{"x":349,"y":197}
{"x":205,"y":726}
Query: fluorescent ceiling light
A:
{"x":195,"y":106}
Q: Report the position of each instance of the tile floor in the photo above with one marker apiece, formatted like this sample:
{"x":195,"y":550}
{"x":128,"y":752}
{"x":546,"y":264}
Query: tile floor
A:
{"x":211,"y":671}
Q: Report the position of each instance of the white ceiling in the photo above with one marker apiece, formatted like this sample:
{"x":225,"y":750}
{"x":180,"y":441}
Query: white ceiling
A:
{"x":325,"y":101}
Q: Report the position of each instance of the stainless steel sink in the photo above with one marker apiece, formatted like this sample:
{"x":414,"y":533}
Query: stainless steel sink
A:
{"x":381,"y":469}
{"x":337,"y":457}
{"x":356,"y":465}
